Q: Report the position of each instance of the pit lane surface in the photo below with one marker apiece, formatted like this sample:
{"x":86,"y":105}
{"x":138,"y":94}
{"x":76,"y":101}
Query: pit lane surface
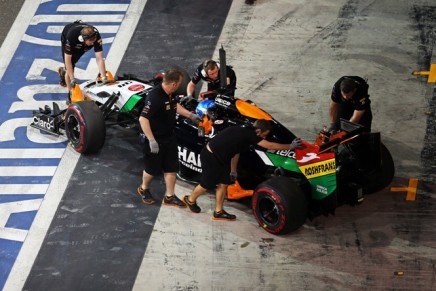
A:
{"x":286,"y":56}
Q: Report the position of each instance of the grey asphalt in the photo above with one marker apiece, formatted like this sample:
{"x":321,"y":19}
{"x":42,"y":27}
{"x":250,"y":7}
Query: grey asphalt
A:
{"x":287,"y":56}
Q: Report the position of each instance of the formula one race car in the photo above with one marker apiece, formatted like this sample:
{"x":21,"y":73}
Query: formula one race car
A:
{"x":286,"y":187}
{"x":291,"y":185}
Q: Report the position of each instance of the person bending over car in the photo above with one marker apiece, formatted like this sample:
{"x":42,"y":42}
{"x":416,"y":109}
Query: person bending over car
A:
{"x":209,"y":71}
{"x":157,"y":120}
{"x":76,"y":39}
{"x":350,"y":100}
{"x":219,"y":159}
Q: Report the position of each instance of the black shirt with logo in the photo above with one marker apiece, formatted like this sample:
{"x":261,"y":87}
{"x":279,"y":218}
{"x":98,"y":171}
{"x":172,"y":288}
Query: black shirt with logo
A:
{"x":359,"y":101}
{"x":215,"y":85}
{"x":233,"y":140}
{"x":160,"y":109}
{"x":73,"y":45}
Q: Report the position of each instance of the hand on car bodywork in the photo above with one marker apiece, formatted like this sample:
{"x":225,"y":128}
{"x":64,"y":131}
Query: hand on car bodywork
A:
{"x":194,"y":118}
{"x":73,"y":83}
{"x":296,"y":143}
{"x":154,"y":146}
{"x":186,"y":99}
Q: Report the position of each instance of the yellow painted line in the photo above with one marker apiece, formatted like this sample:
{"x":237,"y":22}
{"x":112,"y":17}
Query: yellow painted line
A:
{"x":431,"y":74}
{"x":411,"y":189}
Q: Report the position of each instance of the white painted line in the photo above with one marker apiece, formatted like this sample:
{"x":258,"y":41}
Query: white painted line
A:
{"x":18,"y":29}
{"x":92,"y":7}
{"x":13,"y":234}
{"x":48,"y":42}
{"x":26,"y":171}
{"x":6,"y":209}
{"x":57,"y":29}
{"x":23,"y":189}
{"x":94,"y":19}
{"x":122,"y":39}
{"x":31,"y":153}
{"x":44,"y":217}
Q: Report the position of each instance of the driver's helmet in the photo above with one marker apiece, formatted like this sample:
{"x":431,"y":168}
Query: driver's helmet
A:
{"x":205,"y":107}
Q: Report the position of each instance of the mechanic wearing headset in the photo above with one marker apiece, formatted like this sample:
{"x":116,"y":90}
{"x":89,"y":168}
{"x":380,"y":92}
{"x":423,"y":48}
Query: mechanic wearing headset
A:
{"x":219,"y":159}
{"x":76,"y":39}
{"x":350,"y":100}
{"x":209,"y":71}
{"x":157,"y":120}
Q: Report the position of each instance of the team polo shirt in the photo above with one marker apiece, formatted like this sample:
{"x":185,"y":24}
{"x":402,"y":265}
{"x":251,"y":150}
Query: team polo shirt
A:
{"x":233,"y":140}
{"x":360,"y":99}
{"x":160,"y":109}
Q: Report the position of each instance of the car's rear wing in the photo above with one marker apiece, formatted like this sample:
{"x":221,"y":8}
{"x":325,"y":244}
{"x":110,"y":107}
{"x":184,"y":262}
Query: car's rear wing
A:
{"x":348,"y":131}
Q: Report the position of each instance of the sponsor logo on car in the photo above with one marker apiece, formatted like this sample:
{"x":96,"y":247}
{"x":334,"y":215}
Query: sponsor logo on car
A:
{"x":321,"y":189}
{"x":221,"y":101}
{"x":308,"y":157}
{"x":285,"y":153}
{"x":44,"y":122}
{"x":136,"y":87}
{"x":189,"y":159}
{"x":319,"y":169}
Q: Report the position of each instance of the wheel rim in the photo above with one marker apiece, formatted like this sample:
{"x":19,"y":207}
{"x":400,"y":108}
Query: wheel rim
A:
{"x":73,"y":128}
{"x":268,"y":210}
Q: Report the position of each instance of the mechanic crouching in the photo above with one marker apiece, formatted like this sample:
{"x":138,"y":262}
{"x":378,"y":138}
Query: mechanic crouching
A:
{"x":76,"y":39}
{"x":219,"y":159}
{"x":157,"y":120}
{"x":350,"y":101}
{"x":209,"y":71}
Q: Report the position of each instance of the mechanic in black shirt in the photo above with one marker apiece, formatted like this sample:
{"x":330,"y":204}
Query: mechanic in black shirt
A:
{"x":220,"y":156}
{"x":157,"y":121}
{"x":350,"y":100}
{"x":76,"y":39}
{"x":209,"y":71}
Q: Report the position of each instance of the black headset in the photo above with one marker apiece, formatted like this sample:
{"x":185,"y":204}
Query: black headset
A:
{"x":206,"y":63}
{"x":83,"y":37}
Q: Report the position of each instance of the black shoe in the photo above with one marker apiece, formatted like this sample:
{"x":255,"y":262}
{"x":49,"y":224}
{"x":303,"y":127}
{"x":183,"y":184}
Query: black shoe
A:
{"x":61,"y":72}
{"x":173,"y":201}
{"x":223,"y":215}
{"x":145,"y":196}
{"x":192,"y":205}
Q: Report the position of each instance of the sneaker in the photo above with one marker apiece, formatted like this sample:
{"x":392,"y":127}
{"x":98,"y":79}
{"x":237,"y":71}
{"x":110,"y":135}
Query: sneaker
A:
{"x":223,"y":215}
{"x":61,"y":72}
{"x":145,"y":196}
{"x":192,"y":205}
{"x":173,"y":201}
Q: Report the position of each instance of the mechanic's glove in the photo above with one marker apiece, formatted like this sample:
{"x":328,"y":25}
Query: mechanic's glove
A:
{"x":195,"y":118}
{"x":233,"y":176}
{"x":296,"y":143}
{"x":186,"y":99}
{"x":73,"y":83}
{"x":154,"y":146}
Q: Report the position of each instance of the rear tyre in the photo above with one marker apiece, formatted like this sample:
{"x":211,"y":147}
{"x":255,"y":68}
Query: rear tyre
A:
{"x":383,"y":177}
{"x":85,"y":127}
{"x":279,"y":205}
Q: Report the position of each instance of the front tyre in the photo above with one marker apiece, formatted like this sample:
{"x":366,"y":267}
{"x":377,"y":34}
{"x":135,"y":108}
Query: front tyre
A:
{"x":279,"y":205}
{"x":85,"y":127}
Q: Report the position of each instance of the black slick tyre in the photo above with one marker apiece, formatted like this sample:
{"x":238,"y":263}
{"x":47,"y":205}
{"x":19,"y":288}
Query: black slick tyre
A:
{"x":85,"y":127}
{"x":279,"y":205}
